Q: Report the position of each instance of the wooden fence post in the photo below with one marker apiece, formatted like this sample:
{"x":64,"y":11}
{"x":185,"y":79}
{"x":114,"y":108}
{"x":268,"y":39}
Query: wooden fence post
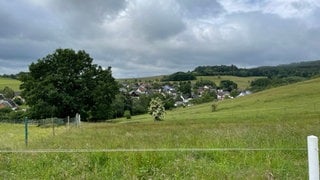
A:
{"x":313,"y":158}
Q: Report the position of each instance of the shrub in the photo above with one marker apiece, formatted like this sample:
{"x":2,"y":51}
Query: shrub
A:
{"x":127,"y":114}
{"x":156,"y":109}
{"x":214,"y":107}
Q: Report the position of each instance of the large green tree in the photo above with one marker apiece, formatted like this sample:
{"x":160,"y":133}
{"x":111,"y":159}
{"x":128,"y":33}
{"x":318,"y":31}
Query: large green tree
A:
{"x":7,"y":92}
{"x":228,"y":85}
{"x":65,"y":83}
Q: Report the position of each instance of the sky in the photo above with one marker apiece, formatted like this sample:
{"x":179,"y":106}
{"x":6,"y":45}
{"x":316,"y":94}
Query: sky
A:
{"x":140,"y":38}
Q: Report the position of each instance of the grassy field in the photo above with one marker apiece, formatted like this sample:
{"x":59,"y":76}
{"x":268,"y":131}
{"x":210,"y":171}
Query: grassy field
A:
{"x":243,"y":82}
{"x":11,"y":83}
{"x":262,"y":136}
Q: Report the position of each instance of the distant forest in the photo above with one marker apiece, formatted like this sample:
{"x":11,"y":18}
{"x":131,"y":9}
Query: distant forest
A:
{"x":302,"y":69}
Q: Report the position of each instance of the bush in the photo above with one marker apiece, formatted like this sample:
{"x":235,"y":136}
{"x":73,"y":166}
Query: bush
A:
{"x":127,"y":114}
{"x":156,"y":109}
{"x":214,"y":107}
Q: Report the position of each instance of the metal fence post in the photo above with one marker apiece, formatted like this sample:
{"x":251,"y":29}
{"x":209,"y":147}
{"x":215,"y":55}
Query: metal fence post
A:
{"x":26,"y":131}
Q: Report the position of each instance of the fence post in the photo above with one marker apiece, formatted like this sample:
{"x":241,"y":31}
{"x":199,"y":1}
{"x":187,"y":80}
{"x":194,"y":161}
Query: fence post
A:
{"x":313,"y":157}
{"x":52,"y":121}
{"x":68,"y":124}
{"x":26,"y":131}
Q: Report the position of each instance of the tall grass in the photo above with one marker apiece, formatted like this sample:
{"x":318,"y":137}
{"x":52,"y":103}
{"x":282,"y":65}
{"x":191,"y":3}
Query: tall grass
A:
{"x":276,"y":121}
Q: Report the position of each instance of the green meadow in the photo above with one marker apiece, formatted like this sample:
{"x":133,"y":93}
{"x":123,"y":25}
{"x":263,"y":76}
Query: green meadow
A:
{"x":11,"y":83}
{"x":243,"y":82}
{"x":260,"y":136}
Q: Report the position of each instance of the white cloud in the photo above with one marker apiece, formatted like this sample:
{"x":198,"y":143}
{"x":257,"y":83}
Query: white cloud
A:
{"x":292,"y":8}
{"x":282,"y":8}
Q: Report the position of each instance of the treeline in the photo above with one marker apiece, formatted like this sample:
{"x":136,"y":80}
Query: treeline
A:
{"x":267,"y":83}
{"x":180,"y":76}
{"x":12,"y":76}
{"x":302,"y":69}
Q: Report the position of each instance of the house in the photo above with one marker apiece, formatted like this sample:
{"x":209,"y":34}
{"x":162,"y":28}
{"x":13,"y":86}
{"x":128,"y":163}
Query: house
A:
{"x":201,"y":90}
{"x":221,"y":95}
{"x":169,"y":90}
{"x":8,"y":103}
{"x":141,"y":90}
{"x":4,"y":102}
{"x":2,"y":106}
{"x":244,"y":93}
{"x":133,"y":94}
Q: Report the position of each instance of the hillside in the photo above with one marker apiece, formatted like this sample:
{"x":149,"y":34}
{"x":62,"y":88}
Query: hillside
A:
{"x":262,"y":135}
{"x":11,"y":83}
{"x":242,"y":82}
{"x":290,"y":100}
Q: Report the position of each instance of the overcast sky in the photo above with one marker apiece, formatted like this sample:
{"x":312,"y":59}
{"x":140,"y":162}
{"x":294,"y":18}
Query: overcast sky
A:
{"x":152,"y":37}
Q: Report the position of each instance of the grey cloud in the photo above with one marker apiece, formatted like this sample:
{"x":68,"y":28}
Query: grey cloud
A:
{"x":156,"y":20}
{"x":82,"y":18}
{"x":8,"y":28}
{"x":85,"y":11}
{"x":201,"y":8}
{"x":143,"y":38}
{"x":23,"y":20}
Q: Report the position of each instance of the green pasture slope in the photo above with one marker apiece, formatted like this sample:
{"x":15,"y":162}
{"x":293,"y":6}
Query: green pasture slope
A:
{"x":243,"y":82}
{"x":11,"y":83}
{"x":260,"y":136}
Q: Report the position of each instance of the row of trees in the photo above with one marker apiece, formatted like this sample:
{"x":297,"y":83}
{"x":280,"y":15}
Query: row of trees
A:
{"x":266,"y":83}
{"x":302,"y":69}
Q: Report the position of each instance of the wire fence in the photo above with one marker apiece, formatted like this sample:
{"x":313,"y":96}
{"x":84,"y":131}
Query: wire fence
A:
{"x":74,"y":121}
{"x":149,"y":150}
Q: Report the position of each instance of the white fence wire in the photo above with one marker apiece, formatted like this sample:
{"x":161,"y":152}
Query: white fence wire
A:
{"x":148,"y":150}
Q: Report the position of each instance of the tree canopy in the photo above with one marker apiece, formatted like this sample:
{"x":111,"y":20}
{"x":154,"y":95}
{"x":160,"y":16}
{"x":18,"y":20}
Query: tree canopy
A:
{"x":65,"y":83}
{"x":7,"y":92}
{"x":180,"y":76}
{"x":228,"y":85}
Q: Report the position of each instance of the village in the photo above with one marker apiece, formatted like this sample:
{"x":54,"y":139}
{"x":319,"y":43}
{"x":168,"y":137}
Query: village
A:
{"x":174,"y":94}
{"x":184,"y":93}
